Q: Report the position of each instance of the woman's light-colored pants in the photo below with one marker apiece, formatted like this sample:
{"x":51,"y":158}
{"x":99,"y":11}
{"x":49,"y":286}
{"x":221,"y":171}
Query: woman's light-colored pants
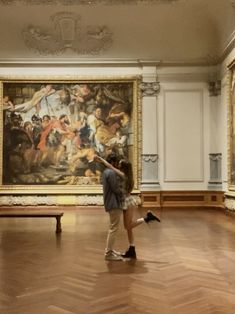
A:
{"x":114,"y":217}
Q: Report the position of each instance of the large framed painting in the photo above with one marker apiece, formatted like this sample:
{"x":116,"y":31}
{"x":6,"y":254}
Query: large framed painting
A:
{"x":231,"y":131}
{"x":52,"y":128}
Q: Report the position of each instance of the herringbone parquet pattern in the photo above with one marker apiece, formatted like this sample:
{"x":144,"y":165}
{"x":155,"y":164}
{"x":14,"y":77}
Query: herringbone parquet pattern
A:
{"x":185,"y":265}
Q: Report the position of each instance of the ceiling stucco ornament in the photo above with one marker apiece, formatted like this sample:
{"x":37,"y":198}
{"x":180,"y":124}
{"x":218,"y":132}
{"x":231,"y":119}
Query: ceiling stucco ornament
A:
{"x":86,"y":2}
{"x":149,"y":88}
{"x":66,"y":34}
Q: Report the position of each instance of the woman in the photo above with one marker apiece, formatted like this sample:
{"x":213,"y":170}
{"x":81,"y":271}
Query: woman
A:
{"x":126,"y":173}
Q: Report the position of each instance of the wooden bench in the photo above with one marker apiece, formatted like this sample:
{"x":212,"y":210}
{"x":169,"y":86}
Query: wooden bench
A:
{"x":33,"y":214}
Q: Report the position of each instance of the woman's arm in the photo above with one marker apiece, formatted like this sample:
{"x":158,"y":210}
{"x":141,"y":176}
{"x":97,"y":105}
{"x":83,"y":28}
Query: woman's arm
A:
{"x":108,"y":165}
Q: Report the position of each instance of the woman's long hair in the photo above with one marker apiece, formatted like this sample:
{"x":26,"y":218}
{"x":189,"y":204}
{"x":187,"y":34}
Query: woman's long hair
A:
{"x":126,"y":168}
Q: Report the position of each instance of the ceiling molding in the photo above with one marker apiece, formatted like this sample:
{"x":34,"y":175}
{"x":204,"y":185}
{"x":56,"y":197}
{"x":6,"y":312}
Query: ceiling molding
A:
{"x":86,"y":2}
{"x":96,"y":62}
{"x":228,"y":48}
{"x":77,"y":62}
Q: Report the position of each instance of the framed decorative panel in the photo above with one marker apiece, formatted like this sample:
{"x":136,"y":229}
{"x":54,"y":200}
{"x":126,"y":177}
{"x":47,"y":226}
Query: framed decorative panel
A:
{"x":183,"y":146}
{"x":52,"y":128}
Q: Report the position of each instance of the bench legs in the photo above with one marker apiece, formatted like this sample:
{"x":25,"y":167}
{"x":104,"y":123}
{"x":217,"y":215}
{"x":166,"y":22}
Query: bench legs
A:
{"x":58,"y":225}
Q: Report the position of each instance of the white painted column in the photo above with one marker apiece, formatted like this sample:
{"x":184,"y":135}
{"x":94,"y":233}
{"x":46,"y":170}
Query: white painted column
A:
{"x":150,"y":88}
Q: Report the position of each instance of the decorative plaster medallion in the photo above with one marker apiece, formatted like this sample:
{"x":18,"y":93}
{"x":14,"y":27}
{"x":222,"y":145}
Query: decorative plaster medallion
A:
{"x":149,"y":88}
{"x":86,"y":2}
{"x":67,"y":33}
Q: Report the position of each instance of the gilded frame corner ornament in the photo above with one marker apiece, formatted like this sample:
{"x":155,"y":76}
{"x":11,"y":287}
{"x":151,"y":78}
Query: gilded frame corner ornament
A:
{"x":55,"y":164}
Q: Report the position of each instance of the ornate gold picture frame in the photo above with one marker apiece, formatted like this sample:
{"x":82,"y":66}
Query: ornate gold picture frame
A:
{"x":231,"y":127}
{"x":52,"y":128}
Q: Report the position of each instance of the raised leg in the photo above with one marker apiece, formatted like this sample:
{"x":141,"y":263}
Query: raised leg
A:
{"x":58,"y":224}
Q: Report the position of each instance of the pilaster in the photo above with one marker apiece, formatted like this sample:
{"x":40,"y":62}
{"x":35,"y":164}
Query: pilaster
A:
{"x":215,"y":157}
{"x":150,"y":88}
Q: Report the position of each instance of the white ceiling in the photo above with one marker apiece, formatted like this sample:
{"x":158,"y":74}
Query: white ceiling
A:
{"x":171,"y":31}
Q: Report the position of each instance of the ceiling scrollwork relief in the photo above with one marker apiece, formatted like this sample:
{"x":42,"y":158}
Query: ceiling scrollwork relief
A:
{"x":68,"y":33}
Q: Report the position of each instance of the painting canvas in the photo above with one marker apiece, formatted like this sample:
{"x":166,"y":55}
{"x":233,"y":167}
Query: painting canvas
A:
{"x":52,"y":129}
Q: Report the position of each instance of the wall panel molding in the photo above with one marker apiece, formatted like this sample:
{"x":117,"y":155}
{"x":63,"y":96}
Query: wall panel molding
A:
{"x":183,"y":139}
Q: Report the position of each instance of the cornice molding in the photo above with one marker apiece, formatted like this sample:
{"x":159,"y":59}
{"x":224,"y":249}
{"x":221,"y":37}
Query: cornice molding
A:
{"x":94,"y":62}
{"x":228,"y":47}
{"x":78,"y":62}
{"x":99,"y":61}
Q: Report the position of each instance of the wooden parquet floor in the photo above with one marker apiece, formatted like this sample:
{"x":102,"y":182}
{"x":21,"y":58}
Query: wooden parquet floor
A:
{"x":185,"y":265}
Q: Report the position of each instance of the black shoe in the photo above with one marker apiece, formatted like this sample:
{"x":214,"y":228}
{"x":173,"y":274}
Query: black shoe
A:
{"x":130,"y":253}
{"x":151,"y":217}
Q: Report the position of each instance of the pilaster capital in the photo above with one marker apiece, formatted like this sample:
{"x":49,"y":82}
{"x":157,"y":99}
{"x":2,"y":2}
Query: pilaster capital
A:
{"x":150,"y":88}
{"x":214,"y":87}
{"x":215,"y":156}
{"x":150,"y":157}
